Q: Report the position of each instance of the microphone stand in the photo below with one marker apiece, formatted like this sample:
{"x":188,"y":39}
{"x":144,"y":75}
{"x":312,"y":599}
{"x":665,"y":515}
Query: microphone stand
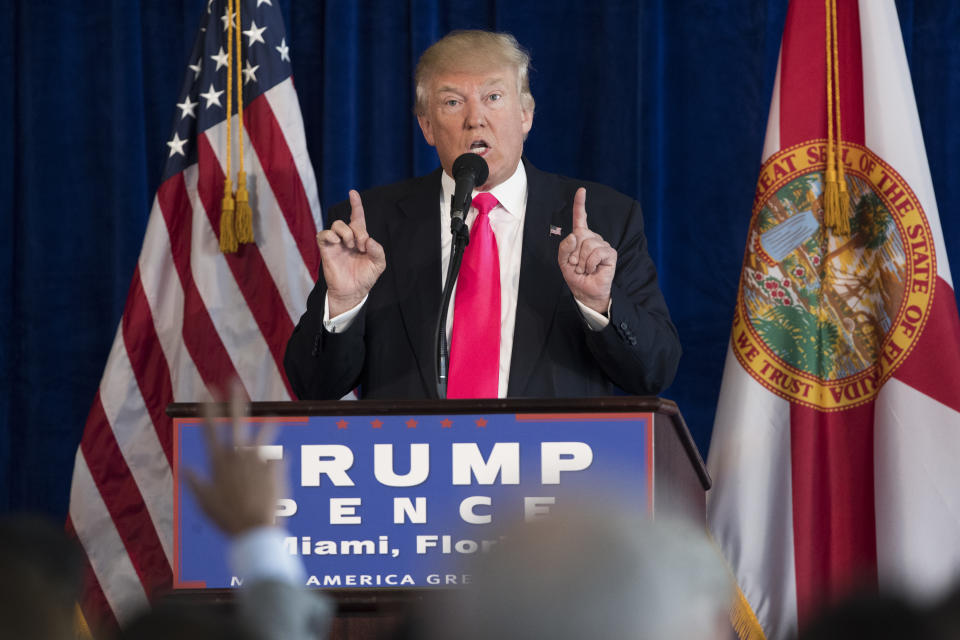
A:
{"x":460,"y":239}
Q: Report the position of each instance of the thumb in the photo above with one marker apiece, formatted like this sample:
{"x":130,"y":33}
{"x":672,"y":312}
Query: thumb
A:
{"x":376,"y":253}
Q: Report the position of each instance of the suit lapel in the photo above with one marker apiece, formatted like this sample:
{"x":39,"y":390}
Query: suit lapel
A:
{"x":540,"y":280}
{"x":415,"y":244}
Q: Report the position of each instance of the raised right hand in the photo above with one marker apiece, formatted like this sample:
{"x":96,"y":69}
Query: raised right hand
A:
{"x":352,"y":261}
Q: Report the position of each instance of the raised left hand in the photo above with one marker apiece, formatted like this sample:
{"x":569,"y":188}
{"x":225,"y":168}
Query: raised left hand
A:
{"x":587,"y":261}
{"x":243,"y":489}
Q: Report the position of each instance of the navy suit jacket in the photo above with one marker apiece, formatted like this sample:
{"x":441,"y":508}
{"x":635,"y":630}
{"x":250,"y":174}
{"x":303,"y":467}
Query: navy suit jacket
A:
{"x":389,"y":348}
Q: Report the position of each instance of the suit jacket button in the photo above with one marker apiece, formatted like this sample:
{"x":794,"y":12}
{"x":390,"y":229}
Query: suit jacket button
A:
{"x":623,"y":325}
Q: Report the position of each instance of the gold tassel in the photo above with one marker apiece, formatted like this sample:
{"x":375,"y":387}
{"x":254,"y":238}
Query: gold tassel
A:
{"x":228,"y":227}
{"x":743,"y":620}
{"x":846,"y":210}
{"x":244,"y":212}
{"x":831,"y":198}
{"x":80,"y":628}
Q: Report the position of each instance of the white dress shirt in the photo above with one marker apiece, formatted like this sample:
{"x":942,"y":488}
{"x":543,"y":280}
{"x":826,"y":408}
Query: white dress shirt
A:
{"x":506,"y":220}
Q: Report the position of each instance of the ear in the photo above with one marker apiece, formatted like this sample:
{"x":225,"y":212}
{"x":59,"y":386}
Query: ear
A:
{"x":526,"y":120}
{"x":427,"y":129}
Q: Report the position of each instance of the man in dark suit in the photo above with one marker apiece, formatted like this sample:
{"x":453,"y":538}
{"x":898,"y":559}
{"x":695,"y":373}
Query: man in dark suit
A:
{"x":572,"y":317}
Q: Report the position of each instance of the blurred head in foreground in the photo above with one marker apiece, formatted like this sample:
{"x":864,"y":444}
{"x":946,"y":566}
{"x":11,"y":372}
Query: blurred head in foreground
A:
{"x":41,"y":576}
{"x":169,"y":621}
{"x":874,"y":616}
{"x":590,"y":573}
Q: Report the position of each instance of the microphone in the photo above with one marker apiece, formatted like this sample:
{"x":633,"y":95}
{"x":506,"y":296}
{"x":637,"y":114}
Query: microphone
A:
{"x":469,"y":171}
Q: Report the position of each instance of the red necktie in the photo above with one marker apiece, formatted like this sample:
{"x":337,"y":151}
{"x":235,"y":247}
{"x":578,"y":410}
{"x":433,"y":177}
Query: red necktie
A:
{"x":475,"y":344}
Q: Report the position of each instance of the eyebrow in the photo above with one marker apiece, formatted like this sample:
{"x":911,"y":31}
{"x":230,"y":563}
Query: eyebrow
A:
{"x":487,"y":84}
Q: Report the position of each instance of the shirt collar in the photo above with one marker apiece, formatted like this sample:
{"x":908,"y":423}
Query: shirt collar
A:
{"x":511,"y":193}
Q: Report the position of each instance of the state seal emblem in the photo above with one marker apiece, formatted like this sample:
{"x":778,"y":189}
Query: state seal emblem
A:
{"x":823,"y":318}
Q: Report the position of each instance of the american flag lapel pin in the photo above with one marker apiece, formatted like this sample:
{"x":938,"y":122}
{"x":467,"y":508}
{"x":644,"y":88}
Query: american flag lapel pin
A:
{"x":554,"y":230}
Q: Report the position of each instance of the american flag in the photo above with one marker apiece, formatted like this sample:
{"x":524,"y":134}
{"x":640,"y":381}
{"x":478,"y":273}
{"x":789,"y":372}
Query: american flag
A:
{"x":195,"y":317}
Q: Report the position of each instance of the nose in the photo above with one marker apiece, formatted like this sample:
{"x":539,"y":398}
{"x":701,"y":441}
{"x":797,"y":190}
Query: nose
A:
{"x":474,"y":115}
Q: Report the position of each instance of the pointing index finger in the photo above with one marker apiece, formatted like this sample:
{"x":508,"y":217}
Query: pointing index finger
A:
{"x":580,"y":209}
{"x":356,"y":211}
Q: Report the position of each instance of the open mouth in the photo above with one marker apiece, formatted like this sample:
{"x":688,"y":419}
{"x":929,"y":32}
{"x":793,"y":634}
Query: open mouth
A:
{"x":479,"y":147}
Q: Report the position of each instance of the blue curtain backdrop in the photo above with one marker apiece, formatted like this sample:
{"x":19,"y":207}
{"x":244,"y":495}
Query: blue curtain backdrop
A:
{"x":665,"y":100}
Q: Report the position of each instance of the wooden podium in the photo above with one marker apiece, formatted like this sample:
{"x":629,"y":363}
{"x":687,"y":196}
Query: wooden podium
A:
{"x":676,"y":479}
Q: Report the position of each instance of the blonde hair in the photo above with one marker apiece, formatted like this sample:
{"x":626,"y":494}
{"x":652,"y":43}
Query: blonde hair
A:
{"x":473,"y":51}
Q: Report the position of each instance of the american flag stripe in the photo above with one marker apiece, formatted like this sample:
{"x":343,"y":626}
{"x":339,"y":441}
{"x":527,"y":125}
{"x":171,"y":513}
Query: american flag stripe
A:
{"x":150,"y":370}
{"x":95,"y":527}
{"x":164,"y":297}
{"x":195,"y":318}
{"x":286,"y":111}
{"x":200,"y":336}
{"x":112,"y":477}
{"x":255,"y":282}
{"x":138,"y":442}
{"x":96,"y":610}
{"x":278,"y":167}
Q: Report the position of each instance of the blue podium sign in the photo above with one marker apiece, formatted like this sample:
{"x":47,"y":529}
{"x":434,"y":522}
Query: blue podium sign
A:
{"x":399,"y":501}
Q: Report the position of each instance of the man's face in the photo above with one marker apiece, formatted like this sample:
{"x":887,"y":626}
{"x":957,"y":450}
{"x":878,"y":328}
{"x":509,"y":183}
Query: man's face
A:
{"x":479,"y":113}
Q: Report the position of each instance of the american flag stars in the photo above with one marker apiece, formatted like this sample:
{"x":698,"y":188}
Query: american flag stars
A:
{"x":284,"y":50}
{"x":254,"y":34}
{"x":226,"y":18}
{"x":263,"y":67}
{"x":176,"y":145}
{"x":250,"y":72}
{"x":186,"y":108}
{"x":212,"y":96}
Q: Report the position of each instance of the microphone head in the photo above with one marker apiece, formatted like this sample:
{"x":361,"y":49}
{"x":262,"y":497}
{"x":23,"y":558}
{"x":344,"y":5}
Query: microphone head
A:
{"x":470,"y":164}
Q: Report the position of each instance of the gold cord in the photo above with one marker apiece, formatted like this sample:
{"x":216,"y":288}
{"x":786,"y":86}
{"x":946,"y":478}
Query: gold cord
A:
{"x":843,"y":195}
{"x":836,"y":205}
{"x":244,"y":219}
{"x":228,"y":235}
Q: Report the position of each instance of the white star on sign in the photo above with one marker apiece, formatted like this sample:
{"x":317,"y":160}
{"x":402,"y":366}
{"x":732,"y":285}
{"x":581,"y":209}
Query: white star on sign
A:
{"x":212,"y":97}
{"x":186,"y":107}
{"x":176,"y":146}
{"x":254,"y":33}
{"x":250,"y":72}
{"x":220,"y":58}
{"x":227,"y":17}
{"x":284,"y":50}
{"x":196,"y":69}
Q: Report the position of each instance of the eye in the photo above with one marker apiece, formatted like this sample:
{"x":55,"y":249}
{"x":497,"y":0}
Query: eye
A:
{"x":451,"y":102}
{"x":495,"y":97}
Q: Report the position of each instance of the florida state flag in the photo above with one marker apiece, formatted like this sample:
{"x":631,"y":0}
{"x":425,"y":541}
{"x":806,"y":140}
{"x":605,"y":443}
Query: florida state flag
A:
{"x":837,"y":434}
